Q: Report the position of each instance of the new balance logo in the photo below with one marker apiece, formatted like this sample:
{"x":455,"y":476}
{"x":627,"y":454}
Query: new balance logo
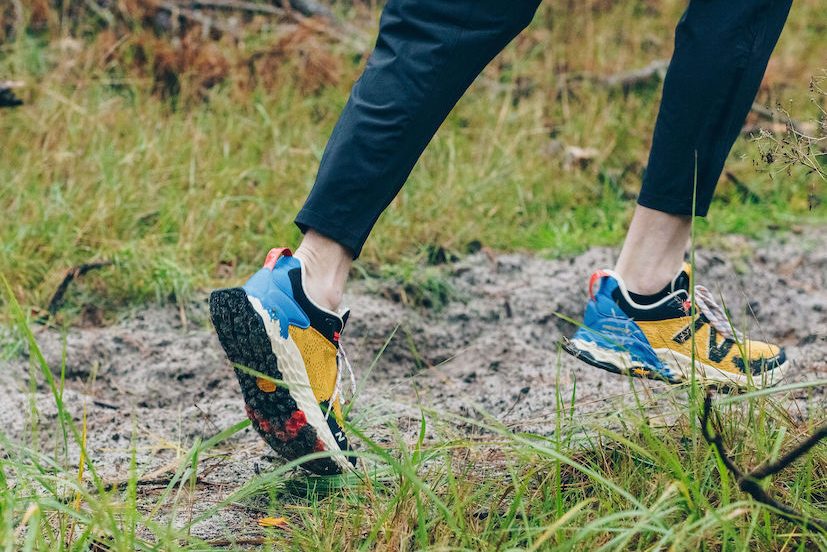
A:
{"x":685,"y":334}
{"x":340,"y":436}
{"x":715,"y":351}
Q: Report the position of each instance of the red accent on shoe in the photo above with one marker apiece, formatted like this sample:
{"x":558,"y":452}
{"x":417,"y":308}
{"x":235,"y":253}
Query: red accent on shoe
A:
{"x":336,"y":337}
{"x":265,"y":426}
{"x":595,"y":277}
{"x":687,"y":306}
{"x":249,"y":411}
{"x":274,"y":255}
{"x":297,"y":421}
{"x":253,"y":414}
{"x":319,"y":446}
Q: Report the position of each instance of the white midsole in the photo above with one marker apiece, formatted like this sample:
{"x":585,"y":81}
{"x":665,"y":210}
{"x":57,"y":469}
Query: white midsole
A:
{"x":681,"y":366}
{"x":294,"y":376}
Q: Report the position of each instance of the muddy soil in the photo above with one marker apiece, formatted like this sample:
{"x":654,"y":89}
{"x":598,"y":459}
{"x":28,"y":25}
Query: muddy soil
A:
{"x":161,"y":379}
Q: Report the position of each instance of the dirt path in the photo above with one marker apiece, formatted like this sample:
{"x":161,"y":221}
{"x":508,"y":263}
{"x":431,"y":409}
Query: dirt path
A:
{"x":493,"y":348}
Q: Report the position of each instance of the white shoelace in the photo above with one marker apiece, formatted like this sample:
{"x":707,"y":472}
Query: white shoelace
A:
{"x":715,"y":313}
{"x":341,"y":362}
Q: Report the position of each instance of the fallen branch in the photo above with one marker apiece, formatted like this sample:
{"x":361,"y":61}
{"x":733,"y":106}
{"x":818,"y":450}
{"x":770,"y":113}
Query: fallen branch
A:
{"x":158,"y":476}
{"x":311,"y":8}
{"x":71,"y":275}
{"x":241,"y":541}
{"x":235,"y":5}
{"x":767,"y":114}
{"x":746,"y":193}
{"x":208,"y":23}
{"x":629,"y":79}
{"x":750,"y":482}
{"x":657,"y":70}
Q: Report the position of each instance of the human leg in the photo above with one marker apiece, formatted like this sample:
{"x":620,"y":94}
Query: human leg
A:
{"x":426,"y":56}
{"x":641,"y":319}
{"x":283,"y":327}
{"x":722,"y":48}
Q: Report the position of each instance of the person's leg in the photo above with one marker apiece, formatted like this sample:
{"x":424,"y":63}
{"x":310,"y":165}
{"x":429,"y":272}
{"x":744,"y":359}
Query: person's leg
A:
{"x":721,"y":52}
{"x":284,"y":325}
{"x":427,"y":54}
{"x":639,"y":319}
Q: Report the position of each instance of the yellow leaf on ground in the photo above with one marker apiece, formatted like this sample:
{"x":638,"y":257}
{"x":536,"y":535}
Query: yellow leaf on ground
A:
{"x":280,"y":522}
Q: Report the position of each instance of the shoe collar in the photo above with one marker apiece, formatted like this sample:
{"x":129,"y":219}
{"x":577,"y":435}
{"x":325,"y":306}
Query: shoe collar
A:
{"x":342,"y":314}
{"x":680,"y":280}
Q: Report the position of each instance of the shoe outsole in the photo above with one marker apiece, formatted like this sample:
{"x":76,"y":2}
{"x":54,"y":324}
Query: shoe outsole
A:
{"x":636,"y":372}
{"x":641,"y":372}
{"x":273,"y":414}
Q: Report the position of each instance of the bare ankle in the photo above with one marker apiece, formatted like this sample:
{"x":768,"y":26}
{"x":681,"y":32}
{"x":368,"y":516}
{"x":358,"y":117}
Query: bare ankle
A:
{"x":645,"y":281}
{"x":325,"y":267}
{"x":653,"y":251}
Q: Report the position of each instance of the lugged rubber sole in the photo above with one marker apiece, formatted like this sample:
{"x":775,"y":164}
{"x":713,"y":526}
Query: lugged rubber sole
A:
{"x":619,"y":363}
{"x":615,"y":363}
{"x":272,"y":409}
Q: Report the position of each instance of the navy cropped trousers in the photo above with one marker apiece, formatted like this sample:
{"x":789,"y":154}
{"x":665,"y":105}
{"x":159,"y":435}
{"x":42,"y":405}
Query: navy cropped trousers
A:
{"x":429,"y":51}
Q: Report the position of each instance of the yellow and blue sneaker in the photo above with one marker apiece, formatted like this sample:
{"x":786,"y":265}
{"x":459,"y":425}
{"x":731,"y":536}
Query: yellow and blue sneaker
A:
{"x":654,"y":339}
{"x":289,"y":362}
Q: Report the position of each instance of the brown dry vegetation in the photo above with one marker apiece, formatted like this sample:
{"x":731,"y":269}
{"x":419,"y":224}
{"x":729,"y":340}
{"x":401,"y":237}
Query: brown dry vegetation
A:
{"x":180,"y":57}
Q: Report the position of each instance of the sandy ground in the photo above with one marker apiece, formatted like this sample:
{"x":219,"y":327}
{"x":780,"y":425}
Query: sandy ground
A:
{"x":492,"y":348}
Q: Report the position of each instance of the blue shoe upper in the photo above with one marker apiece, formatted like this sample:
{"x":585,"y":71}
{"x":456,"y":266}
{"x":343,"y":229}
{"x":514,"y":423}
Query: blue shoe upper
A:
{"x":275,"y":291}
{"x":606,"y":325}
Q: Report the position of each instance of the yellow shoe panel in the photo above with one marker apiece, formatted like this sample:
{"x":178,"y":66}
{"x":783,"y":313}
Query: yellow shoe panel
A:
{"x":319,"y":357}
{"x":710,"y":350}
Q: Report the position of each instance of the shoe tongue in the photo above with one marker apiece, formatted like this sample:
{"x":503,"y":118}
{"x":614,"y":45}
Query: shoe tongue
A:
{"x":681,"y":281}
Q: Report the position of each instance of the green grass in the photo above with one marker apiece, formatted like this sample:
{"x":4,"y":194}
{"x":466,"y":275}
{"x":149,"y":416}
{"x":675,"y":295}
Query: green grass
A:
{"x":641,"y":478}
{"x":186,"y":195}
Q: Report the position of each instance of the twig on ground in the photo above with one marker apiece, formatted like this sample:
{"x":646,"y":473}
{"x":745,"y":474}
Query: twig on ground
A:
{"x":767,"y":114}
{"x":635,"y":77}
{"x":235,"y":5}
{"x":750,"y":482}
{"x":310,"y":8}
{"x":159,"y":476}
{"x":177,"y":11}
{"x":243,"y":541}
{"x":744,"y":191}
{"x":657,"y":70}
{"x":71,"y":275}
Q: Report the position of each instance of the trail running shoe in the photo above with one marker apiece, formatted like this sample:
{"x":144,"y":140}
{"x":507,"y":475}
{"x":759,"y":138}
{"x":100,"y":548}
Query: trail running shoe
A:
{"x":655,"y":340}
{"x":271,"y":328}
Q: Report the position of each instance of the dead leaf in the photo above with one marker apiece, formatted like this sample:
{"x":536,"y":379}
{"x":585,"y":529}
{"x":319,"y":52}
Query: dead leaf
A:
{"x":279,"y":522}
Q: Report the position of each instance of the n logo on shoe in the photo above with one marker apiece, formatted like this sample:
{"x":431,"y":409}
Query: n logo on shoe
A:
{"x":715,"y":352}
{"x":685,"y":334}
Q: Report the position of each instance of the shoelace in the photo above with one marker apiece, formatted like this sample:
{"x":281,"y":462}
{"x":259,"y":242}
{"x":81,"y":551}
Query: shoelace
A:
{"x":715,"y":313}
{"x":341,"y":361}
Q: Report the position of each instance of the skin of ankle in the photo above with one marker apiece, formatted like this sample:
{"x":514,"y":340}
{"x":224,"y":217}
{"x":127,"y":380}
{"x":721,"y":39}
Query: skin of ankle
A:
{"x":653,"y":251}
{"x":325,"y":266}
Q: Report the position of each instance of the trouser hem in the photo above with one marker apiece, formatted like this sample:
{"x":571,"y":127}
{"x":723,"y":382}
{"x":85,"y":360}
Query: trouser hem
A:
{"x":668,"y":204}
{"x":334,"y":230}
